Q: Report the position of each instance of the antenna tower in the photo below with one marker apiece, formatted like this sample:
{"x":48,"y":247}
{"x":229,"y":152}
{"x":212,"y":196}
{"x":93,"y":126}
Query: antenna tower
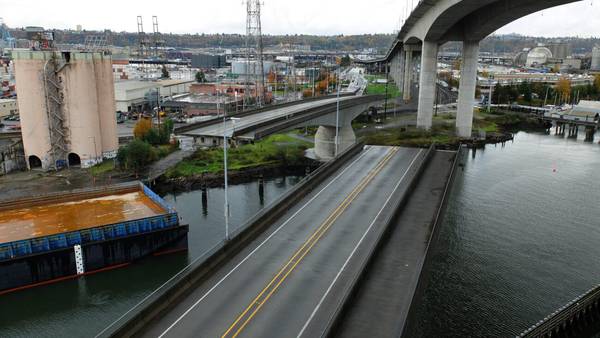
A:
{"x":254,"y":54}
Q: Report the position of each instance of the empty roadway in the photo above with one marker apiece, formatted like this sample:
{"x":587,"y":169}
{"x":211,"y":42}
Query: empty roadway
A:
{"x":302,"y":264}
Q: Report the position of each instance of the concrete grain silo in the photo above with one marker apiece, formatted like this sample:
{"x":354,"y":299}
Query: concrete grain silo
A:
{"x":68,"y":108}
{"x":596,"y":58}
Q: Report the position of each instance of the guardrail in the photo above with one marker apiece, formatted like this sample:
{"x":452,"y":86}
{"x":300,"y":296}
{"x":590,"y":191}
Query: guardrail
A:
{"x":204,"y":266}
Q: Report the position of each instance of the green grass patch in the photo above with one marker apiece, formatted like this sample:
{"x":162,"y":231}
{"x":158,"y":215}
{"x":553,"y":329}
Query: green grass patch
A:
{"x":102,"y":168}
{"x":274,"y":150}
{"x":411,"y":136}
{"x":379,"y":89}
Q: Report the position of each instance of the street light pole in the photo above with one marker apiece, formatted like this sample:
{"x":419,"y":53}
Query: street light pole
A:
{"x":225,"y":174}
{"x":337,"y":113}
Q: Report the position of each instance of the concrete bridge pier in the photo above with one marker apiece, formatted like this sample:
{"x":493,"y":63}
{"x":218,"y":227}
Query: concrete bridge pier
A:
{"x":560,"y":128}
{"x":589,"y":134}
{"x":573,"y":130}
{"x":407,"y":76}
{"x":468,"y":85}
{"x":427,"y":84}
{"x":325,"y":140}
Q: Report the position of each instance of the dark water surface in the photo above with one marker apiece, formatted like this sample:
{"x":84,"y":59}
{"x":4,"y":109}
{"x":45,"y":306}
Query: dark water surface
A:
{"x":521,"y":237}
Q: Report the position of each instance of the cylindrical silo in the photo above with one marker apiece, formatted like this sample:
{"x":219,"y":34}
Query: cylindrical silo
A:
{"x":82,"y":115}
{"x":32,"y":106}
{"x":106,"y":105}
{"x":596,"y":58}
{"x":81,"y":108}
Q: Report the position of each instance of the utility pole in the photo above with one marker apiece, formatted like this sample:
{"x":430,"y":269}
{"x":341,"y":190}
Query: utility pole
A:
{"x":337,"y":115}
{"x":225,"y":174}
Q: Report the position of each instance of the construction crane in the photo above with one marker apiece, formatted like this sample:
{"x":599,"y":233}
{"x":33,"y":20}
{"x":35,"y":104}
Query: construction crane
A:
{"x":158,"y":42}
{"x":143,"y":40}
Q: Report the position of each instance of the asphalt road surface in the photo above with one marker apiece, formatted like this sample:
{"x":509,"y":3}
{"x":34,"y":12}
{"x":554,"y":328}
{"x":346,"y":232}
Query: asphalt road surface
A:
{"x":289,"y":281}
{"x":246,"y":121}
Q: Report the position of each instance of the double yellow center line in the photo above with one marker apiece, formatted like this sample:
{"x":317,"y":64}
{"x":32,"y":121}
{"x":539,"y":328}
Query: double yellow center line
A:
{"x":252,"y":309}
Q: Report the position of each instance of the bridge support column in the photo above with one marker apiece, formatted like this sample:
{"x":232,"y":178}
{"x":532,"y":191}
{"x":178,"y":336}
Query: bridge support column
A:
{"x":325,"y":140}
{"x":427,"y":84}
{"x":589,"y":134}
{"x":468,"y":85}
{"x":407,"y":75}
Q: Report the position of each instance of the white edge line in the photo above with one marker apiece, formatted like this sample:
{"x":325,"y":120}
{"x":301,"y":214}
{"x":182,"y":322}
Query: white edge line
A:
{"x":259,"y":246}
{"x":312,"y":315}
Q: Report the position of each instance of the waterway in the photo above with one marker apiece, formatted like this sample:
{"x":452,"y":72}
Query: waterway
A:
{"x":519,"y":239}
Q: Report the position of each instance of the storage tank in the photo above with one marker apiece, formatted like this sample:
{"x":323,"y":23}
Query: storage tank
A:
{"x":239,"y":67}
{"x":560,"y":50}
{"x":596,"y":58}
{"x":82,"y":126}
{"x":538,"y":56}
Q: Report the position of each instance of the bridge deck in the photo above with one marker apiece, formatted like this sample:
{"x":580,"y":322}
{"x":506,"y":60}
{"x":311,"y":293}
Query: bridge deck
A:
{"x":217,"y":130}
{"x":300,"y":264}
{"x":54,"y":218}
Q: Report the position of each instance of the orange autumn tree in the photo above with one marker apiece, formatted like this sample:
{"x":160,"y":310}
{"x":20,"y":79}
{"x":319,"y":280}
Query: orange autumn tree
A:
{"x":563,"y":87}
{"x":142,"y":128}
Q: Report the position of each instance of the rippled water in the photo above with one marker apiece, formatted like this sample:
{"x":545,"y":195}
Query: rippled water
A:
{"x":83,"y":307}
{"x":520,"y":238}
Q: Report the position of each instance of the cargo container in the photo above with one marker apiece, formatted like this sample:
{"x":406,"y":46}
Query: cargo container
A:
{"x":63,"y":235}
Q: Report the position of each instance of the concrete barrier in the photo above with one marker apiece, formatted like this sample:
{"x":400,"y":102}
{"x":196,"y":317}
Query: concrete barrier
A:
{"x":346,"y":300}
{"x":424,"y":278}
{"x":204,"y":266}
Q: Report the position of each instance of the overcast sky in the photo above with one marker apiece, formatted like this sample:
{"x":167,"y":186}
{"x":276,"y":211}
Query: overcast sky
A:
{"x":323,"y":17}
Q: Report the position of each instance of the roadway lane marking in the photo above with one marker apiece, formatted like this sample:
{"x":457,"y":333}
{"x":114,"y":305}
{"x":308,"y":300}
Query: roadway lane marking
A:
{"x":261,"y":299}
{"x":337,"y":276}
{"x":253,"y":251}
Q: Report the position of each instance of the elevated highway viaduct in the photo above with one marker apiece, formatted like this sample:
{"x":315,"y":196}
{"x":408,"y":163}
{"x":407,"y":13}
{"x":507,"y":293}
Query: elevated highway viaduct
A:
{"x":435,"y":22}
{"x":322,"y":113}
